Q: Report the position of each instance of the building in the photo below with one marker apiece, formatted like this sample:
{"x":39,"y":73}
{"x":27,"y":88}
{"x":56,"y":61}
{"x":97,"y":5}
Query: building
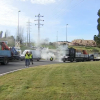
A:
{"x":10,"y":40}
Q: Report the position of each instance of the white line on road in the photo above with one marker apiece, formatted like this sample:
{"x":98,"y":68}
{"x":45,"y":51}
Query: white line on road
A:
{"x":11,"y":71}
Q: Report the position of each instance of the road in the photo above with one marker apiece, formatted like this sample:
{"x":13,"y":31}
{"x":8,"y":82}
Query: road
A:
{"x":12,"y":66}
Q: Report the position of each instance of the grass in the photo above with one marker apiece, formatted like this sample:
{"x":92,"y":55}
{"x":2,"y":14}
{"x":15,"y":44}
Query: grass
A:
{"x":88,"y":49}
{"x":65,"y":81}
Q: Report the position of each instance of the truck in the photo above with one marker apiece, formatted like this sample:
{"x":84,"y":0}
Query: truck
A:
{"x":7,"y":54}
{"x":15,"y":54}
{"x":4,"y":56}
{"x":96,"y":56}
{"x":74,"y":55}
{"x":71,"y":54}
{"x":18,"y":49}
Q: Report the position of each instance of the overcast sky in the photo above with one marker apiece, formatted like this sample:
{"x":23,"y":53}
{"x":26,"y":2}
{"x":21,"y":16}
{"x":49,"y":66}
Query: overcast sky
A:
{"x":80,"y":15}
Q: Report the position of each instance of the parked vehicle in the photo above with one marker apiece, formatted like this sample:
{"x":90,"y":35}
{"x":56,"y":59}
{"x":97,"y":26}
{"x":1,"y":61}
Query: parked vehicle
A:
{"x":96,"y":56}
{"x":18,"y":50}
{"x":7,"y":54}
{"x":74,"y":55}
{"x":16,"y":55}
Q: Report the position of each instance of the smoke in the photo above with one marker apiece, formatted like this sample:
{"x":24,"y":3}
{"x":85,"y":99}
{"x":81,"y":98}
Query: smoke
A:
{"x":57,"y":54}
{"x":47,"y":54}
{"x":42,"y":42}
{"x":62,"y":51}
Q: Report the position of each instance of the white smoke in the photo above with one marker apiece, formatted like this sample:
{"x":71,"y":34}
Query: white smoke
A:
{"x":47,"y":54}
{"x":56,"y":54}
{"x":62,"y":50}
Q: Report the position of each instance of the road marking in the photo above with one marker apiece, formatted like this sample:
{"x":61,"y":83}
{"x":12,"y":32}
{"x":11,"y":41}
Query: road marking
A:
{"x":23,"y":68}
{"x":11,"y":71}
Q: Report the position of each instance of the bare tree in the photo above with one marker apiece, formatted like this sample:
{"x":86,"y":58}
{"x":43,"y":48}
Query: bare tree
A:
{"x":19,"y":36}
{"x":7,"y":33}
{"x":1,"y":32}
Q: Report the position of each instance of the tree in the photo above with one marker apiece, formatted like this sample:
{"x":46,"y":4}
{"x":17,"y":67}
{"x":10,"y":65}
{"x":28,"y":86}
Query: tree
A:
{"x":99,"y":12}
{"x":7,"y":34}
{"x":19,"y":36}
{"x":97,"y":37}
{"x":1,"y":32}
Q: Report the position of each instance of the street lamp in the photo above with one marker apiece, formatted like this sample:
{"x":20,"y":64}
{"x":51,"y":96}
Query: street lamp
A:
{"x":66,"y":32}
{"x":57,"y":38}
{"x":18,"y":23}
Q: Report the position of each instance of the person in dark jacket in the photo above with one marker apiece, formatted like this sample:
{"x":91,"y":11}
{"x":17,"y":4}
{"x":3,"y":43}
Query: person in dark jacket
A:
{"x":31,"y":58}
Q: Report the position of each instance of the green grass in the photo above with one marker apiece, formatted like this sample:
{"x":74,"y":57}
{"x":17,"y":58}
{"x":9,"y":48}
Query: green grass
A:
{"x":49,"y":46}
{"x":66,"y":81}
{"x":88,"y":49}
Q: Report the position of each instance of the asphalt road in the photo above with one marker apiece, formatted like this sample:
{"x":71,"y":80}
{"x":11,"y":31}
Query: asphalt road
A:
{"x":12,"y":66}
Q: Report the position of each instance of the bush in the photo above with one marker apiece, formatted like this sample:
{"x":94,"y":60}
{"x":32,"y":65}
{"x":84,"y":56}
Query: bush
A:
{"x":88,"y":47}
{"x":95,"y":50}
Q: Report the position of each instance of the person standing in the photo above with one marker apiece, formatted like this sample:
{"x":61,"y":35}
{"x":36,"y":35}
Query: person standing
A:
{"x":31,"y":57}
{"x":27,"y":57}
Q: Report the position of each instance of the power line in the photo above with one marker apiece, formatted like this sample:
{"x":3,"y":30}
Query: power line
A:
{"x":27,"y":36}
{"x":39,"y":26}
{"x":28,"y":32}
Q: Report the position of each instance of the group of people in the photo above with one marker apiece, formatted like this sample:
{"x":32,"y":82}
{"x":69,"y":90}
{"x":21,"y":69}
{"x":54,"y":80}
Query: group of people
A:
{"x":28,"y":59}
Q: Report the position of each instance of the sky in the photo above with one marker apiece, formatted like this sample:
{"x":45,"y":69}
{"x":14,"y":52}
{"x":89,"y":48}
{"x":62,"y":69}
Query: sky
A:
{"x":80,"y":15}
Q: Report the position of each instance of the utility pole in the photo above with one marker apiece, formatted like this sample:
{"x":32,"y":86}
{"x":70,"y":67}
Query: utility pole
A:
{"x":18,"y":24}
{"x":39,"y":26}
{"x":28,"y":31}
{"x":66,"y":33}
{"x":27,"y":36}
{"x":57,"y":38}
